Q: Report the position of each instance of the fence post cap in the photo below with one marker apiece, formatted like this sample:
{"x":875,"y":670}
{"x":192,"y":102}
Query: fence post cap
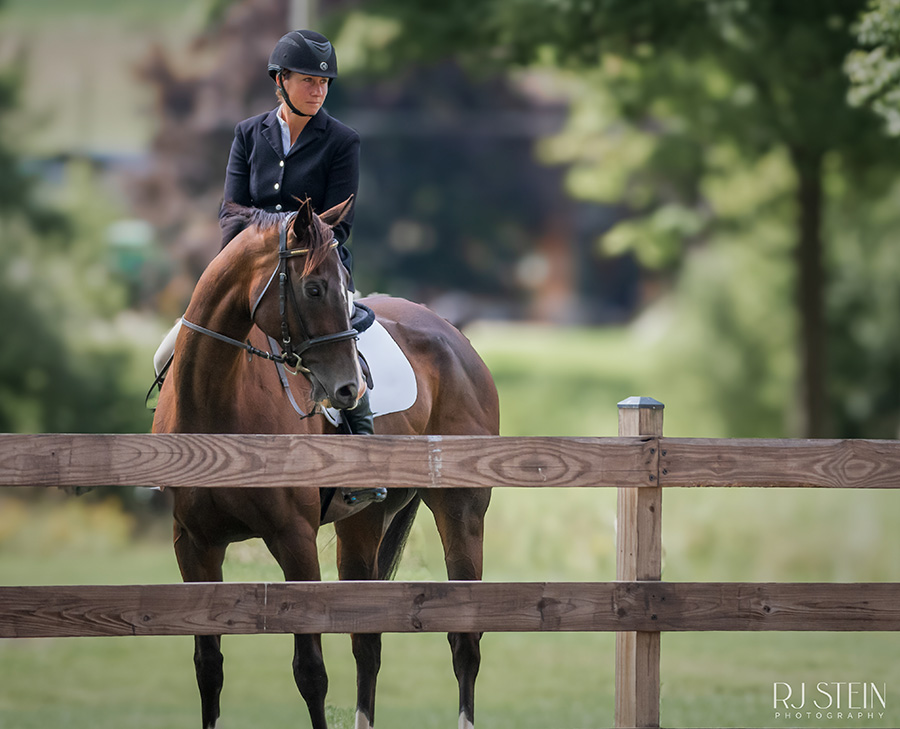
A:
{"x":640,"y":402}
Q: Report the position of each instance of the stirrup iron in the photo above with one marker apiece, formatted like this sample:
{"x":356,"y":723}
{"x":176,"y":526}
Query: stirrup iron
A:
{"x":364,"y":496}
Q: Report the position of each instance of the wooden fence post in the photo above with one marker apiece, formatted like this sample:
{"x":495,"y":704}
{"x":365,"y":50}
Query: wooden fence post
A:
{"x":639,"y":557}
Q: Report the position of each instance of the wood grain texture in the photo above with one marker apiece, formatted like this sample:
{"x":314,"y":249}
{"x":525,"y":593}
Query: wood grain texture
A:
{"x":442,"y":462}
{"x":411,"y":607}
{"x":194,"y":460}
{"x":871,"y":464}
{"x":639,"y":557}
{"x":639,"y":511}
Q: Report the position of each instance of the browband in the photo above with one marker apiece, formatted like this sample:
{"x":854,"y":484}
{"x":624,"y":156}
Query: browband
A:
{"x":303,"y":251}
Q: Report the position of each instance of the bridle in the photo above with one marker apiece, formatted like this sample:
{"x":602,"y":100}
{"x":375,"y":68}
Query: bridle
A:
{"x":290,"y":353}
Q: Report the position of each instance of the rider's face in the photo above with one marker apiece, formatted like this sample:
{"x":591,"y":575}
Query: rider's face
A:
{"x":306,"y":92}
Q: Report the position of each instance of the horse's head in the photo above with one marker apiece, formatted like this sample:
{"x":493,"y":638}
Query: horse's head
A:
{"x":304,"y":304}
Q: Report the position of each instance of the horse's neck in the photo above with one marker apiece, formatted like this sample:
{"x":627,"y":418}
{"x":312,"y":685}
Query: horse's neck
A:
{"x":205,"y":369}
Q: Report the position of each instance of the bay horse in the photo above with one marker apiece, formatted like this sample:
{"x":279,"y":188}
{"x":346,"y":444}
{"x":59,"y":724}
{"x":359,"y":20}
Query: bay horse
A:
{"x":214,"y":387}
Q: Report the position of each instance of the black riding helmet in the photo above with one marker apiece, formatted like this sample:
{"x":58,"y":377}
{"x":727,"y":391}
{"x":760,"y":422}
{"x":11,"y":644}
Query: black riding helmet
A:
{"x":302,"y":51}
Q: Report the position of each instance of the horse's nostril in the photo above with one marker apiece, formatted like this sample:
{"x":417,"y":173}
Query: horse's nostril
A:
{"x":347,"y":392}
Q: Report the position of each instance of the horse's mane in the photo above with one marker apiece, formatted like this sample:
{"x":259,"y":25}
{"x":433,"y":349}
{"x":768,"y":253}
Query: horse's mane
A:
{"x":236,"y":218}
{"x":240,"y":217}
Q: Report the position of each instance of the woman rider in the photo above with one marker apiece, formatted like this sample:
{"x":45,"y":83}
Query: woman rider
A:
{"x":297,"y":151}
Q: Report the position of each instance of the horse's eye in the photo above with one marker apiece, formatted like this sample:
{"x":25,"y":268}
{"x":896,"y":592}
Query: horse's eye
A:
{"x":313,"y":291}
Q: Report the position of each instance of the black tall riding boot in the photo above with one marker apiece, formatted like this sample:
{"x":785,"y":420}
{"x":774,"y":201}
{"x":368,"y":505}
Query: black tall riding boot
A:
{"x":360,"y":419}
{"x":361,"y":422}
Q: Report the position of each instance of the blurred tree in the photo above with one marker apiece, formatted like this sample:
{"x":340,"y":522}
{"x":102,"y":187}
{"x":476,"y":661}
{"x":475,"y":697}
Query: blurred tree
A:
{"x":676,"y":93}
{"x":63,"y":367}
{"x":18,"y":199}
{"x":864,"y":312}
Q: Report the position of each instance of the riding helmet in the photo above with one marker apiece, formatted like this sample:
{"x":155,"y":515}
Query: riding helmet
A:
{"x":304,"y":51}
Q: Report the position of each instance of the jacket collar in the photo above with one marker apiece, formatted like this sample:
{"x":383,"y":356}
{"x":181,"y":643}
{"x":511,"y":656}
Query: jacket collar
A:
{"x":271,"y":130}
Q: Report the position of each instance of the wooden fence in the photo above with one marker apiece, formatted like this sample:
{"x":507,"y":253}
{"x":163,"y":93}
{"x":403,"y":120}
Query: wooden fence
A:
{"x":640,"y":463}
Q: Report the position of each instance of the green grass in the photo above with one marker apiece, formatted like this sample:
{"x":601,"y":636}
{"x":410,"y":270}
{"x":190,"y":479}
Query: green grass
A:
{"x":558,"y":680}
{"x":567,"y":381}
{"x":552,"y":382}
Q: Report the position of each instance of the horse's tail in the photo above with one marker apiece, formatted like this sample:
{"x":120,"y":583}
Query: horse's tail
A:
{"x":391,"y":548}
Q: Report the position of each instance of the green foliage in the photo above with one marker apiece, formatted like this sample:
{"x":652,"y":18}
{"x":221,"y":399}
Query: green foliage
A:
{"x":874,"y":68}
{"x":746,"y":78}
{"x":70,"y":362}
{"x":726,"y":333}
{"x":864,"y":315}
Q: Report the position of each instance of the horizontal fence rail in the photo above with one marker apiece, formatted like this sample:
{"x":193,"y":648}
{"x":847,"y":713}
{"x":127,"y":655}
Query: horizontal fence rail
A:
{"x":414,"y":607}
{"x":193,"y":460}
{"x":845,"y":464}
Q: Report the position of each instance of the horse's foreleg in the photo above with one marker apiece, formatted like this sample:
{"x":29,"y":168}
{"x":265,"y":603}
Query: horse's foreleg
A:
{"x":294,"y":548}
{"x":459,"y":514}
{"x":210,"y":676}
{"x":358,"y":539}
{"x":310,"y":676}
{"x":203,"y":564}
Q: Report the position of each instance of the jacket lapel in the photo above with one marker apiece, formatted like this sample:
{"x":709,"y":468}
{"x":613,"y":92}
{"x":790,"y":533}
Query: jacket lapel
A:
{"x":271,"y":130}
{"x":312,"y":132}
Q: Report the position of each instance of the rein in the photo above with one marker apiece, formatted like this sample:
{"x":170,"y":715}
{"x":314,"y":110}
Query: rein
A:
{"x":291,"y":355}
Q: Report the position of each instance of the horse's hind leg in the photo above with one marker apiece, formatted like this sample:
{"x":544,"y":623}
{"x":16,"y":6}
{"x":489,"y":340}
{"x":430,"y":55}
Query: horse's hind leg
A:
{"x":459,"y":514}
{"x":203,"y":564}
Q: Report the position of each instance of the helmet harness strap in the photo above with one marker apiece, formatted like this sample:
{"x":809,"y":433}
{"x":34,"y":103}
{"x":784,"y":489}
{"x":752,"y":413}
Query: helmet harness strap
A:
{"x":286,"y":97}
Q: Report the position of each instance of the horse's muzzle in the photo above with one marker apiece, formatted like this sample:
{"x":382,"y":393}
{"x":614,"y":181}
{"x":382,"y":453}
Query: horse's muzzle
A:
{"x":343,"y":397}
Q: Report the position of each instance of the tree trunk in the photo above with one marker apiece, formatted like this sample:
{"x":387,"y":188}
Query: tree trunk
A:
{"x":813,"y":405}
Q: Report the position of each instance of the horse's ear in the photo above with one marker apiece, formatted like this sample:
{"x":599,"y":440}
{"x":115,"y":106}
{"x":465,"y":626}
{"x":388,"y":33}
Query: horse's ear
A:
{"x":303,"y":220}
{"x":333,"y":216}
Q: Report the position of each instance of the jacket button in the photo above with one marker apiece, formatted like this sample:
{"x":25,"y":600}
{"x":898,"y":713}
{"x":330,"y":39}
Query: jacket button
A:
{"x":278,"y":206}
{"x":281,"y":163}
{"x":277,"y":186}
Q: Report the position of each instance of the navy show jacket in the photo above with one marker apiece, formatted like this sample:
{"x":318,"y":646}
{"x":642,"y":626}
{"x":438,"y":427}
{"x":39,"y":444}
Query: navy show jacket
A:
{"x":322,"y":164}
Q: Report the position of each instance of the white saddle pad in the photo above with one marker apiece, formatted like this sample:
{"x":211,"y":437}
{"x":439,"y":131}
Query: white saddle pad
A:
{"x":395,"y":387}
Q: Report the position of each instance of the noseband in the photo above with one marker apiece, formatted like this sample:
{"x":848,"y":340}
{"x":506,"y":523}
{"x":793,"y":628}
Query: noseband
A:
{"x":291,"y":354}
